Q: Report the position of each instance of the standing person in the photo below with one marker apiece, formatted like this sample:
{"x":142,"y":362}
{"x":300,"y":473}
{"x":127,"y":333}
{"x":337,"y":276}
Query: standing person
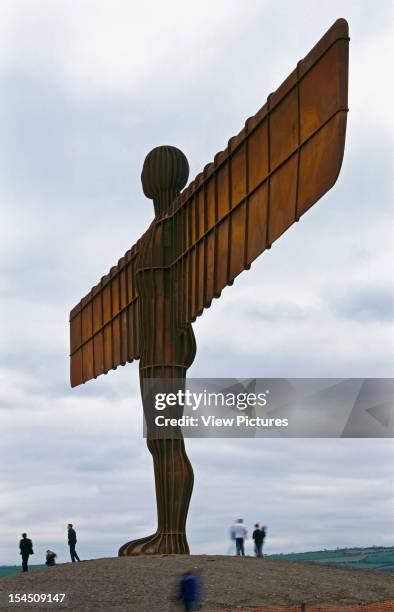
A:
{"x":26,"y":549}
{"x":238,"y":533}
{"x":72,"y":540}
{"x":258,"y":536}
{"x":190,"y":590}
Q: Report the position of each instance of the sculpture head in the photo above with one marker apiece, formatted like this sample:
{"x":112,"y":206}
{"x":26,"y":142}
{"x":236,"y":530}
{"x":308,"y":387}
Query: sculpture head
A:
{"x":164,"y":175}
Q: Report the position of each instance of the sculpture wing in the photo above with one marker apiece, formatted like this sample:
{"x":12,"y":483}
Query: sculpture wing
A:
{"x":287,"y":157}
{"x":104,"y":326}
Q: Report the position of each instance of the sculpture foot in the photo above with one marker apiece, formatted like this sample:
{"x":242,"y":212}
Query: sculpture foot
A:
{"x":160,"y":543}
{"x":133,"y":547}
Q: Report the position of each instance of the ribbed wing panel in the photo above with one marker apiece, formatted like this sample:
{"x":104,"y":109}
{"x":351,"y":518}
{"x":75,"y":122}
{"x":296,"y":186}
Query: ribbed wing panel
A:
{"x":104,"y":326}
{"x":287,"y":157}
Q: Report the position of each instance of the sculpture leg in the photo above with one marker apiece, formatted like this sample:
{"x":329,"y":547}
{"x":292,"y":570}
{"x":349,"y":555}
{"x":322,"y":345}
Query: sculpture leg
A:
{"x":174,"y":485}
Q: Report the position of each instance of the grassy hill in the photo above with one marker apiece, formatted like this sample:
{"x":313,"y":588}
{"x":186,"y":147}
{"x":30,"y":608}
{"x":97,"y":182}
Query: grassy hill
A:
{"x":374,"y":558}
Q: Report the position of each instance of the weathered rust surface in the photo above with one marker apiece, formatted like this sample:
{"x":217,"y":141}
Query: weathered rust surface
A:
{"x":286,"y":157}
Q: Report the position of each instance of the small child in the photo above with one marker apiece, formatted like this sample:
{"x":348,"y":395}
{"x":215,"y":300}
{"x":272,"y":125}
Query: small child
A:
{"x":51,"y":556}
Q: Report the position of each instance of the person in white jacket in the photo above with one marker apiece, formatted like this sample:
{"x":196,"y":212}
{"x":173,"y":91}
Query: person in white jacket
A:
{"x":238,"y":533}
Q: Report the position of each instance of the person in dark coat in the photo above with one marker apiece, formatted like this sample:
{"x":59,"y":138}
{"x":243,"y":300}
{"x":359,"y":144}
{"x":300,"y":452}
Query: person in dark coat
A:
{"x":72,"y":540}
{"x":190,"y":590}
{"x":50,"y":558}
{"x":258,"y":537}
{"x":26,"y":549}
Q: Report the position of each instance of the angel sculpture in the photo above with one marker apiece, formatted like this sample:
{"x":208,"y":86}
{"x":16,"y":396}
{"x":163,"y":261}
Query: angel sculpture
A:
{"x":287,"y":156}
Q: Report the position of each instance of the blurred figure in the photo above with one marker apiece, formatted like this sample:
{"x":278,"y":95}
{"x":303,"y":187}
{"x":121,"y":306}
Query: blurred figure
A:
{"x":258,"y":537}
{"x":72,"y":540}
{"x":50,"y":558}
{"x":264,"y":530}
{"x":26,"y":549}
{"x":190,"y":590}
{"x":238,"y":533}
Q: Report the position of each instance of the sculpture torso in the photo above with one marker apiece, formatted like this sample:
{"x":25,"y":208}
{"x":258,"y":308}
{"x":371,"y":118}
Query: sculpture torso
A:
{"x":163,"y":343}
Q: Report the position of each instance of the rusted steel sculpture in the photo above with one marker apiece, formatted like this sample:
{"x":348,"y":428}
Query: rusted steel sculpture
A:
{"x":286,"y":157}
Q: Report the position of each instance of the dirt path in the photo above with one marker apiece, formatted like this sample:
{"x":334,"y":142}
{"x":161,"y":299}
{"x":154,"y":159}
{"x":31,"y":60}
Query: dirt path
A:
{"x":147,"y":584}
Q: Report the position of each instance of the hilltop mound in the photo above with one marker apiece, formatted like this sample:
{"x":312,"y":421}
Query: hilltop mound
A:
{"x":147,"y":584}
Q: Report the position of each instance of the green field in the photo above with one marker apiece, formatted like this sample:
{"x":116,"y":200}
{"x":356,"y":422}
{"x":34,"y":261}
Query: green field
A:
{"x":374,"y":558}
{"x":9,"y":570}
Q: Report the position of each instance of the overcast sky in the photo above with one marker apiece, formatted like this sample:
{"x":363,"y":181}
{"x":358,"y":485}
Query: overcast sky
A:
{"x":87,"y":89}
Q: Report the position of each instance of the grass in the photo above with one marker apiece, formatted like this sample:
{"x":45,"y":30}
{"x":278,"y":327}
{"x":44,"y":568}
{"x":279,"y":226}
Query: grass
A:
{"x":9,"y":570}
{"x":363,"y":558}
